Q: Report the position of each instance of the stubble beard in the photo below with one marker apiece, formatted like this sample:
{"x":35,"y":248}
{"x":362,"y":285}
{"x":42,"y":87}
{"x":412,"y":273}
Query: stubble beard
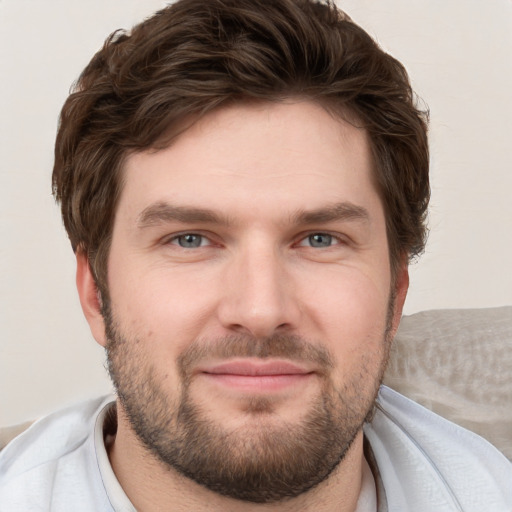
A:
{"x":265,"y":461}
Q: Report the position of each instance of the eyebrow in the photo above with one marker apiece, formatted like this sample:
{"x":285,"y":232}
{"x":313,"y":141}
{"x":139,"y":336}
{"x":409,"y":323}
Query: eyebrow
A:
{"x":163,"y":212}
{"x":344,"y":211}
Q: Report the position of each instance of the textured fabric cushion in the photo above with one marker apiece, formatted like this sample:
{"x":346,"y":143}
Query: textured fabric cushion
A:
{"x":458,"y":363}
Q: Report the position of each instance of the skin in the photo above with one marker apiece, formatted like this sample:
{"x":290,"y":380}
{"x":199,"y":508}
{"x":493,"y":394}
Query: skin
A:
{"x":258,"y":168}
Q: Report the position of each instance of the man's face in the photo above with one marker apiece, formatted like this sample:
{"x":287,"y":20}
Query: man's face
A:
{"x":250,"y":290}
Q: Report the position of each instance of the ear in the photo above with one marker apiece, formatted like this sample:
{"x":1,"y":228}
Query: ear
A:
{"x":401,"y":285}
{"x":89,"y":297}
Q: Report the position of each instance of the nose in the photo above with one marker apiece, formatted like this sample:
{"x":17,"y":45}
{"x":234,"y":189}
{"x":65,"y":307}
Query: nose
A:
{"x":259,"y":294}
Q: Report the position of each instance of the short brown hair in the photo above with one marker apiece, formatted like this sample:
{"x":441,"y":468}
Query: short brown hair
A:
{"x":196,"y":55}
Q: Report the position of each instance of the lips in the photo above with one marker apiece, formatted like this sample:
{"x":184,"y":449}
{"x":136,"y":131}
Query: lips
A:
{"x":255,"y":368}
{"x":256,"y":375}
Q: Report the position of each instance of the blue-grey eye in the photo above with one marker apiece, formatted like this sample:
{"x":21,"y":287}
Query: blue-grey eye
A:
{"x":320,"y":240}
{"x":190,"y":241}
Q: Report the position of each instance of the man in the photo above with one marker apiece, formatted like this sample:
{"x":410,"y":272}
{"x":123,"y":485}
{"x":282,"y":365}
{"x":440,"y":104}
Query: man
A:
{"x":244,"y":183}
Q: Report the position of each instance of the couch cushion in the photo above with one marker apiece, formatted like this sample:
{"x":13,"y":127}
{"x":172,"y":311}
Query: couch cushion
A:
{"x":458,"y":363}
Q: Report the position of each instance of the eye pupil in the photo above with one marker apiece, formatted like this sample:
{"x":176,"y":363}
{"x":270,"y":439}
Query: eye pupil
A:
{"x":189,"y":241}
{"x":320,"y":240}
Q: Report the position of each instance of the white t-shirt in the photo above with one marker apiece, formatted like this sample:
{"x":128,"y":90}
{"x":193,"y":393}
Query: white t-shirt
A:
{"x":423,"y":463}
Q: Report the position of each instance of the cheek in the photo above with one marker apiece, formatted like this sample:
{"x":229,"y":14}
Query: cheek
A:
{"x":350,"y":313}
{"x":161,"y":306}
{"x":349,"y":298}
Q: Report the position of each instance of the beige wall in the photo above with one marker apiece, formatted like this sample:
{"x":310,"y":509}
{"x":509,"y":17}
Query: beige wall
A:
{"x":459,"y":54}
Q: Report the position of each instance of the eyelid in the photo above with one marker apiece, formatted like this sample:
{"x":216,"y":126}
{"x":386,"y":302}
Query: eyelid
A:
{"x":338,"y":237}
{"x":172,"y":239}
{"x":203,"y":241}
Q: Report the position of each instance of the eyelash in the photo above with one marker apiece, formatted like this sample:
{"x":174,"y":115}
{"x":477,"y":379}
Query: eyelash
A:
{"x":333,"y":238}
{"x":174,"y":240}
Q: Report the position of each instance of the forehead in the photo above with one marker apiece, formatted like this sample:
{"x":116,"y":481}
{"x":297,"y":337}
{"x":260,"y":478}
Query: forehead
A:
{"x":293,"y":155}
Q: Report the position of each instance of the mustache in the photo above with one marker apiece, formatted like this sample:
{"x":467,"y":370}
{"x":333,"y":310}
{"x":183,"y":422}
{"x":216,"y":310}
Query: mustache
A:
{"x":289,"y":346}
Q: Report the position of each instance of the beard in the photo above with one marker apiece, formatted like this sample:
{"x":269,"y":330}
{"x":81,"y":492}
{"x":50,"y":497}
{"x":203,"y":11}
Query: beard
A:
{"x":266,"y":460}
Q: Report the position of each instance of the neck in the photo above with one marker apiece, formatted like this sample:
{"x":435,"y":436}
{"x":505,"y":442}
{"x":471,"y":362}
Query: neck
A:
{"x":152,"y":486}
